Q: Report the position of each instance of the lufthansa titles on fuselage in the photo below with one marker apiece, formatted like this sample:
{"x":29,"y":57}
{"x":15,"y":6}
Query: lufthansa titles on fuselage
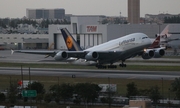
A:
{"x":127,"y":41}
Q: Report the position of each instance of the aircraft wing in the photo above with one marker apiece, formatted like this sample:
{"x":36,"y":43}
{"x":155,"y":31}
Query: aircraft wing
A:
{"x":102,"y":56}
{"x":41,"y":52}
{"x":76,"y":54}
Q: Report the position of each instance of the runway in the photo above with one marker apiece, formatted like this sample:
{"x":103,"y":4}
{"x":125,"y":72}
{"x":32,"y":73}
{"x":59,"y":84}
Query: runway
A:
{"x":5,"y":56}
{"x":125,"y":74}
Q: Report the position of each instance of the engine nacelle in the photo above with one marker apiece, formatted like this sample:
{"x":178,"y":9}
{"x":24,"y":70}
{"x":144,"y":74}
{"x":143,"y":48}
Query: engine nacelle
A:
{"x":92,"y":56}
{"x":62,"y":55}
{"x":149,"y":53}
{"x":159,"y":53}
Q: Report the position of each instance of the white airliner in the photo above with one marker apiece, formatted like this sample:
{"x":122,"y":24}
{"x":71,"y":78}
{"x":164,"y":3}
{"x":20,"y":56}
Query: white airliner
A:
{"x":109,"y":52}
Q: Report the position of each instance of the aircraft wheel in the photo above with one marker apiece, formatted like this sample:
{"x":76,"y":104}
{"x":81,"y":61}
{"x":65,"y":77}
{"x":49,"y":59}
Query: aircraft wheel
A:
{"x":115,"y":66}
{"x":122,"y":65}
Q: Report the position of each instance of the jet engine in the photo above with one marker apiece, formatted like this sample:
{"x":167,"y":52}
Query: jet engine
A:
{"x":92,"y":56}
{"x":62,"y":55}
{"x":159,"y":53}
{"x":149,"y":53}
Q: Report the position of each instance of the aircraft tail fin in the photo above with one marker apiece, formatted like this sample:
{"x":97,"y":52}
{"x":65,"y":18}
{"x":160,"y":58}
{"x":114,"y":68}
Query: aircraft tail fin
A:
{"x":71,"y":43}
{"x":165,"y":31}
{"x":156,"y":43}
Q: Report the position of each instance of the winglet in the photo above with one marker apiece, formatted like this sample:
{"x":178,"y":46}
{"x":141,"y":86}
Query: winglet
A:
{"x":71,"y":44}
{"x":12,"y":51}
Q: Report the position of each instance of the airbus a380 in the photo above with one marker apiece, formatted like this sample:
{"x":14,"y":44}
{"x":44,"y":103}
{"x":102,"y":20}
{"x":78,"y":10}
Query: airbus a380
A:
{"x":109,"y":52}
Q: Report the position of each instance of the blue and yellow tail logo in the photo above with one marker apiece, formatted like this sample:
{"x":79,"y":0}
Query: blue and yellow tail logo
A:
{"x":69,"y":42}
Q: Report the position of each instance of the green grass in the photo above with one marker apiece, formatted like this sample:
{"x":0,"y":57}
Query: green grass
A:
{"x":121,"y":83}
{"x":68,"y":66}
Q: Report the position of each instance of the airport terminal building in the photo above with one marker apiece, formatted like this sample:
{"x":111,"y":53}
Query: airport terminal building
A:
{"x":86,"y":29}
{"x":24,"y":41}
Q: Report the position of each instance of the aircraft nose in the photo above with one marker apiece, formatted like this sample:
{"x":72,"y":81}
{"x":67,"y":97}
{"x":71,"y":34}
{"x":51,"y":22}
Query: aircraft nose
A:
{"x":148,"y":41}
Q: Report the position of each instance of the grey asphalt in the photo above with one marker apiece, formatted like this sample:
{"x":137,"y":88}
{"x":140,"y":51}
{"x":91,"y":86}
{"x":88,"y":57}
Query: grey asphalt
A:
{"x":126,"y":74}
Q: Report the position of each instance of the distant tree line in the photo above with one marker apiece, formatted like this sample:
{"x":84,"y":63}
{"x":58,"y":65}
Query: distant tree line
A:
{"x":174,"y":19}
{"x":13,"y":23}
{"x":153,"y":92}
{"x":46,"y":22}
{"x":115,"y":21}
{"x":81,"y":93}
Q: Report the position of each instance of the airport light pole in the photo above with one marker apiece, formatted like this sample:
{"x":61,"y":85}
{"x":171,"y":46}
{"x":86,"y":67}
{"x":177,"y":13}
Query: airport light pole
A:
{"x":22,"y":77}
{"x":159,"y":29}
{"x":22,"y":84}
{"x":169,"y":97}
{"x":109,"y":93}
{"x":58,"y":81}
{"x":159,"y":24}
{"x":162,"y":93}
{"x":30,"y":78}
{"x":30,"y":83}
{"x":10,"y":80}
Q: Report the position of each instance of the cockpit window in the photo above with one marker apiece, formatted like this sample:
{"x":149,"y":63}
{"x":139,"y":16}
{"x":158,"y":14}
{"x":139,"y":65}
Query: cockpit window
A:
{"x":144,"y":37}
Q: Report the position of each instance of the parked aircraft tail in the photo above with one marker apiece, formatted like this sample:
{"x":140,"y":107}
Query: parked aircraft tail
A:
{"x":164,"y":33}
{"x":71,"y":43}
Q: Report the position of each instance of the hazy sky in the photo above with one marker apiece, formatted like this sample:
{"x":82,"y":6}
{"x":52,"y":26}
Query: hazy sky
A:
{"x":17,"y":8}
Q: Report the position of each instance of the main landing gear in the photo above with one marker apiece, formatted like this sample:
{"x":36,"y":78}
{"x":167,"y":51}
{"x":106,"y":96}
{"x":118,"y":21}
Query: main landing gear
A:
{"x":122,"y":64}
{"x":99,"y":66}
{"x":104,"y":67}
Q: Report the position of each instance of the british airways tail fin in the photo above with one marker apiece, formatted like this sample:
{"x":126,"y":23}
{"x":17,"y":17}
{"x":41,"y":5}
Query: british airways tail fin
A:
{"x":156,"y":43}
{"x":71,"y":43}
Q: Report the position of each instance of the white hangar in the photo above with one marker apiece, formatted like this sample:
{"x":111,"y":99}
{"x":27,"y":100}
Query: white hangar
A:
{"x":88,"y":31}
{"x":24,"y":41}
